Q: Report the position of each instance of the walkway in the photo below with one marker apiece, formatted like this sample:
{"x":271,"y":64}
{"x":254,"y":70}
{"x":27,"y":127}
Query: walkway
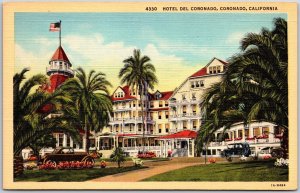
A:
{"x":154,"y":168}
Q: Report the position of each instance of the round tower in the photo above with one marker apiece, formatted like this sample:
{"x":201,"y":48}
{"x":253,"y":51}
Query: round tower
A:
{"x":59,"y":69}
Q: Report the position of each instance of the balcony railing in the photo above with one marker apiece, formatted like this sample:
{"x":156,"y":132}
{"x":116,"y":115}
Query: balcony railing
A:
{"x":50,"y":70}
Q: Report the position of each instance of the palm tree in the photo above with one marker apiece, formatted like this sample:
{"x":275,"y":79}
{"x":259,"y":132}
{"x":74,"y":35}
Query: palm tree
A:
{"x":118,"y":156}
{"x":139,"y":74}
{"x":255,"y":81}
{"x":90,"y":99}
{"x":31,"y":122}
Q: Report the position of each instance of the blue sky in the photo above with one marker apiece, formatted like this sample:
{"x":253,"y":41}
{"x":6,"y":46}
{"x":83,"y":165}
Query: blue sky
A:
{"x":178,"y":43}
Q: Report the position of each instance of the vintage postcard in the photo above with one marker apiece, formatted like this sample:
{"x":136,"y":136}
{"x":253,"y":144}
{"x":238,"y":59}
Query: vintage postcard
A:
{"x":150,"y":96}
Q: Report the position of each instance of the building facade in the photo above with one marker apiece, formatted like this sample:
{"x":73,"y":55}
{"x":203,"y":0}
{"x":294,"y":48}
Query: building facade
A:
{"x":171,"y":118}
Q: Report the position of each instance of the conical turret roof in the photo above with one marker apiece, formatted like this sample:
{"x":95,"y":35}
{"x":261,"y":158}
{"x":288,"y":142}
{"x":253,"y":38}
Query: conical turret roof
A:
{"x":60,"y":54}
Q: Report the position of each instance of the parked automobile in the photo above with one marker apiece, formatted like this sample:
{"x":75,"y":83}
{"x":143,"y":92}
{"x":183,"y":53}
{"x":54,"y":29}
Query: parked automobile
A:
{"x":271,"y":151}
{"x":67,"y":154}
{"x":236,"y":150}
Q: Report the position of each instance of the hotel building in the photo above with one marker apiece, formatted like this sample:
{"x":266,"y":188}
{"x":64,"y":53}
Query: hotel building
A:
{"x":171,"y":118}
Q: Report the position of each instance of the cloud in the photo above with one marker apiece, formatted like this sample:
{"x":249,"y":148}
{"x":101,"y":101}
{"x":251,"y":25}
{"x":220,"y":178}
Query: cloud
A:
{"x":92,"y":52}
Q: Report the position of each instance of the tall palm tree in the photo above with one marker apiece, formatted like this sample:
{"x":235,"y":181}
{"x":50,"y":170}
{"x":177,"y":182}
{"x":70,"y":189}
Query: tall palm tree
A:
{"x":90,"y":99}
{"x":30,"y":119}
{"x":30,"y":123}
{"x":139,"y":74}
{"x":258,"y":79}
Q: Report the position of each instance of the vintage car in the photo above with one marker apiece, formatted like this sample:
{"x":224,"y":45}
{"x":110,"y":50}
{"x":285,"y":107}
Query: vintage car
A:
{"x":67,"y":154}
{"x":237,"y":150}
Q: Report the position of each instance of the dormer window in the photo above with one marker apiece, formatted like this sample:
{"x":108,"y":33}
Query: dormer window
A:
{"x":192,"y":85}
{"x":183,"y":97}
{"x":197,"y":84}
{"x":202,"y":83}
{"x":210,"y":70}
{"x":218,"y":69}
{"x":214,"y":70}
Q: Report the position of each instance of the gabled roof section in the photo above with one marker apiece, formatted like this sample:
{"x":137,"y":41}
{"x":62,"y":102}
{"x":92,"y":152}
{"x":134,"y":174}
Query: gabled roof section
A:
{"x":127,"y":95}
{"x":164,"y":95}
{"x":60,"y":54}
{"x":203,"y":71}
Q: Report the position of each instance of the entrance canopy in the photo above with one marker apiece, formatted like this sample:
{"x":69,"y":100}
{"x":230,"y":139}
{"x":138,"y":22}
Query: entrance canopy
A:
{"x":186,"y":134}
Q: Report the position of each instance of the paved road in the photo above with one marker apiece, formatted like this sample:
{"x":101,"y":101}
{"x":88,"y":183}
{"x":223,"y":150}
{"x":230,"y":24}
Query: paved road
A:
{"x":154,"y":169}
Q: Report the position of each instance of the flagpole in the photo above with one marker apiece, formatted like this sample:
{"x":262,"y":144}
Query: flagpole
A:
{"x":60,"y":33}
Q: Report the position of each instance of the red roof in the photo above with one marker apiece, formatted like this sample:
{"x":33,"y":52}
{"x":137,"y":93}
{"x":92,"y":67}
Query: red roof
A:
{"x":166,"y":95}
{"x":127,"y":95}
{"x":201,"y":72}
{"x":60,"y":55}
{"x":182,"y":134}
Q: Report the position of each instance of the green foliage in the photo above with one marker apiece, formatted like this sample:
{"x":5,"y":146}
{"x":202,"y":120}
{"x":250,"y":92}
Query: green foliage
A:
{"x":45,"y":141}
{"x":71,"y":175}
{"x":90,"y":103}
{"x":229,"y":172}
{"x":31,"y":123}
{"x":139,"y":74}
{"x":118,"y":156}
{"x":255,"y":84}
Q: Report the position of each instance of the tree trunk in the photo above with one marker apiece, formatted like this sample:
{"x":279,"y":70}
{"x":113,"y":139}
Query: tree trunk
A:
{"x":143,"y":118}
{"x":285,"y":143}
{"x":18,"y":166}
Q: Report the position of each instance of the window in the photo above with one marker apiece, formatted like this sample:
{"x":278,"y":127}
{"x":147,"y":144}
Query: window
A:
{"x":194,"y":124}
{"x":265,"y":130}
{"x":151,"y":104}
{"x":119,"y":95}
{"x":159,"y":128}
{"x":184,"y":109}
{"x":166,"y":103}
{"x":159,"y":115}
{"x":160,"y":103}
{"x":184,"y":124}
{"x":68,"y":141}
{"x":167,"y":127}
{"x":240,"y":133}
{"x":192,"y":85}
{"x":210,"y":70}
{"x":218,"y":69}
{"x":60,"y":139}
{"x":202,"y":83}
{"x":194,"y":109}
{"x":197,"y":84}
{"x":214,"y":70}
{"x":167,"y":114}
{"x":183,"y":97}
{"x":139,"y":104}
{"x":256,"y":132}
{"x":133,"y":103}
{"x":213,"y":152}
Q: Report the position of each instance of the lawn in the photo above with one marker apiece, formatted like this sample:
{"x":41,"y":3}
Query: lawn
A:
{"x":234,"y":171}
{"x":71,"y":175}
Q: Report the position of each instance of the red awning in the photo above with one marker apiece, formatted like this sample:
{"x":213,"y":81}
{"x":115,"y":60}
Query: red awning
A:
{"x":182,"y":134}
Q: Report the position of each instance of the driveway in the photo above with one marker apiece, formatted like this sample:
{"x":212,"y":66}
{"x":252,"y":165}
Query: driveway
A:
{"x":154,"y":168}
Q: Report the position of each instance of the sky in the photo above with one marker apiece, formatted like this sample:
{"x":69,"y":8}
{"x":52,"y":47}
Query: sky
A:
{"x":178,"y":44}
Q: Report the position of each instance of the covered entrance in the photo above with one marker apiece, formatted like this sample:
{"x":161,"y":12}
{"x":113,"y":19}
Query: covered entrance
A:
{"x":181,"y":144}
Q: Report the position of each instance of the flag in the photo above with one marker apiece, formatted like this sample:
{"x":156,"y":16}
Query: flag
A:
{"x":55,"y":26}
